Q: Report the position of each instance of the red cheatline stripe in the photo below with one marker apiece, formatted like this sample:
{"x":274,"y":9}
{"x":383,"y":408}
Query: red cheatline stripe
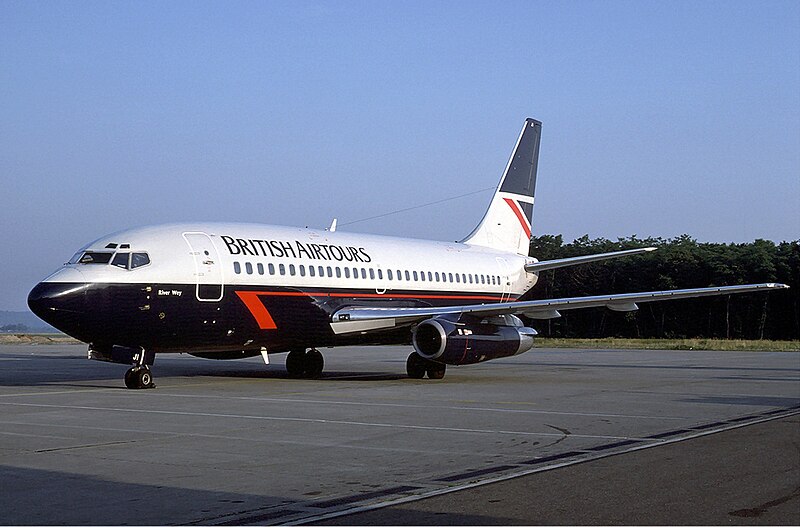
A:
{"x":257,"y":309}
{"x":387,"y":296}
{"x":265,"y":321}
{"x":520,"y":217}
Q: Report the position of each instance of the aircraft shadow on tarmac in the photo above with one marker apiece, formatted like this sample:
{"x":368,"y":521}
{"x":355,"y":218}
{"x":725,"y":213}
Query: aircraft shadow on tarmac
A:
{"x":27,"y":370}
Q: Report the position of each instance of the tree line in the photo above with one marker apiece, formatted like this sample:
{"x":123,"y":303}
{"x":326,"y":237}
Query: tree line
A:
{"x":679,"y":263}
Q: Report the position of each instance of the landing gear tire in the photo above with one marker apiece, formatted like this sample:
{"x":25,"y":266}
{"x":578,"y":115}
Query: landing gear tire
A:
{"x":296,"y":363}
{"x":139,"y":377}
{"x":308,"y":364}
{"x":315,"y":363}
{"x":435,"y":370}
{"x":130,"y":381}
{"x":415,"y":366}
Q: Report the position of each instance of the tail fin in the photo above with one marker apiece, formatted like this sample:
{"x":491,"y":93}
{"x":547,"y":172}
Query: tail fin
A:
{"x":506,"y":226}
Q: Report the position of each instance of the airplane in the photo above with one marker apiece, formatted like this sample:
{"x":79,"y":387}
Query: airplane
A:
{"x":233,"y":290}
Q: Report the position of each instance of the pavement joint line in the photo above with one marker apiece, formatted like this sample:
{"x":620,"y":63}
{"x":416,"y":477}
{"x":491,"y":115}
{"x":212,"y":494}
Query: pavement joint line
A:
{"x":789,"y":412}
{"x":391,"y":405}
{"x":314,"y":421}
{"x":442,"y":407}
{"x":180,"y":435}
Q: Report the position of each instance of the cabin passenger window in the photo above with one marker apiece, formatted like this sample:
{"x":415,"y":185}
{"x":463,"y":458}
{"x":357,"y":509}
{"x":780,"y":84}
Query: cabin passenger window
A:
{"x":380,"y":274}
{"x":430,"y":276}
{"x":330,"y":272}
{"x":470,"y":279}
{"x":458,"y":278}
{"x":311,"y":270}
{"x":347,"y":272}
{"x":260,"y":268}
{"x":408,"y":276}
{"x":416,"y":277}
{"x":436,"y":275}
{"x":355,"y":272}
{"x":422,"y":275}
{"x":302,"y":270}
{"x":248,"y":267}
{"x":237,"y":268}
{"x":338,"y":272}
{"x":389,"y":274}
{"x":271,"y":268}
{"x":120,"y":260}
{"x":449,"y":277}
{"x":282,"y":269}
{"x":321,"y":270}
{"x":399,"y":274}
{"x":372,"y":274}
{"x":363,"y":273}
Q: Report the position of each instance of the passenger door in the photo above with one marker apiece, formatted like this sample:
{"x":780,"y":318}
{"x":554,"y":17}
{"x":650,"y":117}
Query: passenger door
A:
{"x":207,"y":265}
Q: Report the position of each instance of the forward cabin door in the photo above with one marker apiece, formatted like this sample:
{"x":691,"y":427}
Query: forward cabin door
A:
{"x":207,"y":266}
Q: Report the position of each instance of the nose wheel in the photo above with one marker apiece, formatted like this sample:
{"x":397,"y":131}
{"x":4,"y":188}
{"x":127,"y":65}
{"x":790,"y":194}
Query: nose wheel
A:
{"x":302,"y":363}
{"x":139,"y":377}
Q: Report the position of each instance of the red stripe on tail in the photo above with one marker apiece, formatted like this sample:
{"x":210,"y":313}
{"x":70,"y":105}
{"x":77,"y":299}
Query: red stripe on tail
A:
{"x":520,"y":216}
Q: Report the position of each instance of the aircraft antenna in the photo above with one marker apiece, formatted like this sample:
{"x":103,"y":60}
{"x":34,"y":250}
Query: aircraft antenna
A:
{"x":415,"y":207}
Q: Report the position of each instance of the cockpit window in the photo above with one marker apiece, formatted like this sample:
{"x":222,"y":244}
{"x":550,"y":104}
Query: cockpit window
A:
{"x":139,"y":259}
{"x":91,"y":257}
{"x":121,"y":260}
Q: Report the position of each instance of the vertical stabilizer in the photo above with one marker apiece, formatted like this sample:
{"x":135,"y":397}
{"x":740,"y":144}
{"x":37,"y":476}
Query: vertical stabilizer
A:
{"x":506,"y":226}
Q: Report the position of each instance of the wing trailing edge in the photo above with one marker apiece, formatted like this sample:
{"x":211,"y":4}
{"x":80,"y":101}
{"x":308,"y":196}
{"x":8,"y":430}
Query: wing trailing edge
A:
{"x":352,"y":319}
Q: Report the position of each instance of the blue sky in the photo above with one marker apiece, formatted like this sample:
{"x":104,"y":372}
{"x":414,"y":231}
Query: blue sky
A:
{"x":660,"y":118}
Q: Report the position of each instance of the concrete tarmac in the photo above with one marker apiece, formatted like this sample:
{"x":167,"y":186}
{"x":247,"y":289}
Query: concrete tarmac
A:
{"x":238,"y":442}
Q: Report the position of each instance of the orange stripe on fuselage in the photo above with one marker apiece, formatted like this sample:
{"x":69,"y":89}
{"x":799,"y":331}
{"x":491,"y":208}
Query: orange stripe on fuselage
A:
{"x":257,"y":309}
{"x":387,"y":296}
{"x":265,"y":320}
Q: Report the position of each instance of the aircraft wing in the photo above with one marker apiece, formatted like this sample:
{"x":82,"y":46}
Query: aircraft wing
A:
{"x":356,"y":319}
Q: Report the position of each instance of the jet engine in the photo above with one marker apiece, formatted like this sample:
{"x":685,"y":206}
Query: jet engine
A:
{"x":458,"y":342}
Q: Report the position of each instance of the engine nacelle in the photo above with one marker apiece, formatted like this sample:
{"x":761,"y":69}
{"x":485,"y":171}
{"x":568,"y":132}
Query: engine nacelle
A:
{"x":456,"y":343}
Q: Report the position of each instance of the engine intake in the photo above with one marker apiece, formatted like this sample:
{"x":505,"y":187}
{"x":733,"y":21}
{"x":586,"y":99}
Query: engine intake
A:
{"x":456,"y":343}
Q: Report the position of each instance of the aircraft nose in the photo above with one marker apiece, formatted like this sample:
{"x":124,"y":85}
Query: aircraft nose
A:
{"x":62,"y":304}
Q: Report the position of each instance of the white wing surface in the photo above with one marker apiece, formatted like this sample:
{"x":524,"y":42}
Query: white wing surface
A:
{"x":363,"y":319}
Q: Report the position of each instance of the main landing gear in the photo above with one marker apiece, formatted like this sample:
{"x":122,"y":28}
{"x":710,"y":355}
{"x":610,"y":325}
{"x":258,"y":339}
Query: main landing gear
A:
{"x":417,"y":367}
{"x":302,"y":363}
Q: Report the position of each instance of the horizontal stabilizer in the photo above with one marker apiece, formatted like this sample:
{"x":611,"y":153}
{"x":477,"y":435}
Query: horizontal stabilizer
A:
{"x":535,"y":267}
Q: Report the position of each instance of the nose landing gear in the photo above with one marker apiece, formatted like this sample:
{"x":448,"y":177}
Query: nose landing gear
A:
{"x":139,"y":377}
